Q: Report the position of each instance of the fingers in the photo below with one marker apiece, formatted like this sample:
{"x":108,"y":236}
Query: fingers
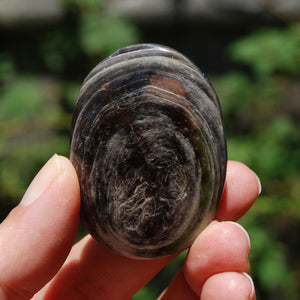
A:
{"x":241,"y":189}
{"x":214,"y":266}
{"x":221,"y":247}
{"x":228,"y":286}
{"x":38,"y":234}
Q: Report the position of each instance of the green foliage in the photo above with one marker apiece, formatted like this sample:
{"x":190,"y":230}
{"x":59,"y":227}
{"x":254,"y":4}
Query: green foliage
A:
{"x":103,"y":35}
{"x":270,"y":50}
{"x":269,"y":264}
{"x":27,"y":116}
{"x":21,"y":100}
{"x":57,"y":48}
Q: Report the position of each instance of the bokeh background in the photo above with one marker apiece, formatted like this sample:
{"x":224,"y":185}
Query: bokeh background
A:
{"x":249,"y":49}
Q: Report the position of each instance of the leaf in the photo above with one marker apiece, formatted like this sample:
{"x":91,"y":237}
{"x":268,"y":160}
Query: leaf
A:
{"x":100,"y":35}
{"x":269,"y":50}
{"x":21,"y":98}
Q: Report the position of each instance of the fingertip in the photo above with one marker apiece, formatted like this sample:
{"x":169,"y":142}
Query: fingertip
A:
{"x":69,"y":181}
{"x":44,"y":178}
{"x":239,"y":171}
{"x":57,"y":168}
{"x":258,"y":182}
{"x":252,"y":287}
{"x":242,"y":187}
{"x":66,"y":164}
{"x":242,"y":230}
{"x":228,"y":286}
{"x":221,"y":247}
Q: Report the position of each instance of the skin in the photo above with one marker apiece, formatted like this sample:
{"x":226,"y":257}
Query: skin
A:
{"x":38,"y":258}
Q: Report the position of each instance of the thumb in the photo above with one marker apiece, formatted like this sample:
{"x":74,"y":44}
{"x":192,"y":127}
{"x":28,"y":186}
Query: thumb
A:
{"x":38,"y":234}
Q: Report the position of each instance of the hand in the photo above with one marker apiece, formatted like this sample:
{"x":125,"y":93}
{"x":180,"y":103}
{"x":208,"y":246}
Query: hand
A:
{"x":37,"y":257}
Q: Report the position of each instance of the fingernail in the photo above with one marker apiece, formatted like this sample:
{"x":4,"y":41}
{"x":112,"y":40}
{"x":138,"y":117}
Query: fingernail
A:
{"x":252,"y":285}
{"x":259,"y":183}
{"x":243,"y":229}
{"x":45,"y":177}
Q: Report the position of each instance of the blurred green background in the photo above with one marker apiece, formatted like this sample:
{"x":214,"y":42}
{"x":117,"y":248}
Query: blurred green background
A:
{"x":254,"y":65}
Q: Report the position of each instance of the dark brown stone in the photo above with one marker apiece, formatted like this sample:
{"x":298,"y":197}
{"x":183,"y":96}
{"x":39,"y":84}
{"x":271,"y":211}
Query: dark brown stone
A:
{"x":149,"y":149}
